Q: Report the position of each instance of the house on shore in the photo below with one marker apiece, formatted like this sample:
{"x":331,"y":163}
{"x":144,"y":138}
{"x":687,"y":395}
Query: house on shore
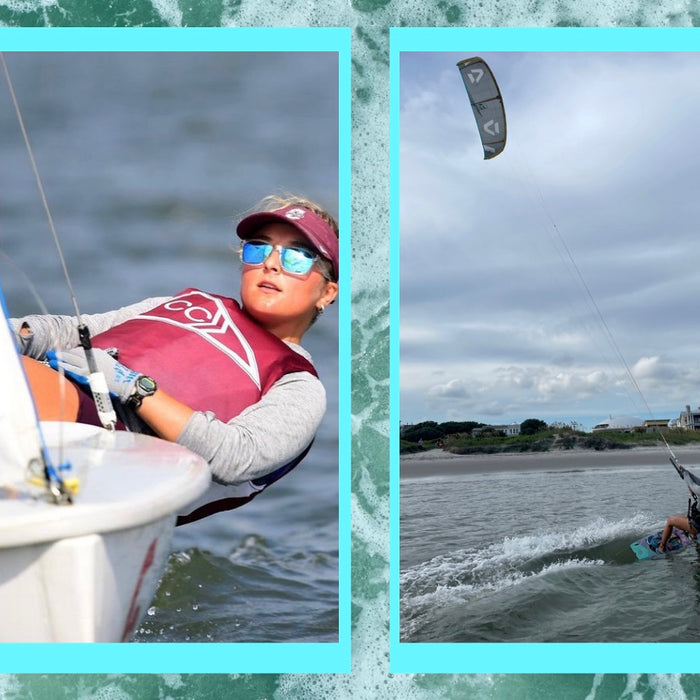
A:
{"x":508,"y":430}
{"x":689,"y":420}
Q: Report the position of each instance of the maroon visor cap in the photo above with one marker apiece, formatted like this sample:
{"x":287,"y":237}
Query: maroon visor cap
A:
{"x":310,"y":224}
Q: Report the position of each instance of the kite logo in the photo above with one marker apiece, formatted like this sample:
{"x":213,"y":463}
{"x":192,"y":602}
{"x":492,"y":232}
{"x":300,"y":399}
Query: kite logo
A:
{"x":492,"y":128}
{"x":475,"y":75}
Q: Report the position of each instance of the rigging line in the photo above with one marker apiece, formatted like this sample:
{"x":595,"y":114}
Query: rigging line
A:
{"x":52,"y":480}
{"x":44,"y":310}
{"x":26,"y":279}
{"x":608,"y":332}
{"x":42,"y":194}
{"x":606,"y":328}
{"x":96,"y":379}
{"x":556,"y":244}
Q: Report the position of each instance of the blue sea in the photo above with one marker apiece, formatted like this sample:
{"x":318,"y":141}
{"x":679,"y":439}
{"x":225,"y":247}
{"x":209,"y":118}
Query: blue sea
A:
{"x":190,"y":224}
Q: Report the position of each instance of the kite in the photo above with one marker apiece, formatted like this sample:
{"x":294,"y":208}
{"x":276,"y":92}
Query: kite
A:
{"x":487,"y":104}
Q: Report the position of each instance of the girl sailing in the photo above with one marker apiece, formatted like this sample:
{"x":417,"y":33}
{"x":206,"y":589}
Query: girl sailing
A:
{"x":230,"y":382}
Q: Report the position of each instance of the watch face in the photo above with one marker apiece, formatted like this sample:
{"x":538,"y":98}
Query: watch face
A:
{"x":146,"y":384}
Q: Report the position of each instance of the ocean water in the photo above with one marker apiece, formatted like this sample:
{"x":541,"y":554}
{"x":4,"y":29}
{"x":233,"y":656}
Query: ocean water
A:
{"x":370,"y":21}
{"x":146,"y":174}
{"x":544,"y":556}
{"x":370,"y":17}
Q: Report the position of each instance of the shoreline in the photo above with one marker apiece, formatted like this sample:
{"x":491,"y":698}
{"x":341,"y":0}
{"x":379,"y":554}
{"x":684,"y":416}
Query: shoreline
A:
{"x":435,"y":462}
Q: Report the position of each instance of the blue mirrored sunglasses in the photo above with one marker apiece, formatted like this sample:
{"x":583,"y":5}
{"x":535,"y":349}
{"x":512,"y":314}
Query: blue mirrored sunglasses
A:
{"x":297,"y":261}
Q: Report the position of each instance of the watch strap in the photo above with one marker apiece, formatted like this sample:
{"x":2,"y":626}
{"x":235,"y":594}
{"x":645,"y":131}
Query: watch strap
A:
{"x":143,"y":387}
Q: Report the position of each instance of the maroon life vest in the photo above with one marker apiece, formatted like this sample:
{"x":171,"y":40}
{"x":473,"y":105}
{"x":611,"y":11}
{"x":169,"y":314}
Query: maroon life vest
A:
{"x":205,"y":351}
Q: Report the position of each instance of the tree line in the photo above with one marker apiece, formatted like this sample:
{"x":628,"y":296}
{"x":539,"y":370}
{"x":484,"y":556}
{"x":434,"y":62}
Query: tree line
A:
{"x":432,"y":430}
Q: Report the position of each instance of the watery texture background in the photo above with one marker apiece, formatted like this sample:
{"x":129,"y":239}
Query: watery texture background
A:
{"x":370,"y":21}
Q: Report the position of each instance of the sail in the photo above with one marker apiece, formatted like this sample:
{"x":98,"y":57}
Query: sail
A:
{"x":19,"y":436}
{"x":487,"y":104}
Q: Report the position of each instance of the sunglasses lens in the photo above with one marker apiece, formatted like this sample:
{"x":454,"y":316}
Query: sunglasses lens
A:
{"x":254,"y":253}
{"x":297,"y":260}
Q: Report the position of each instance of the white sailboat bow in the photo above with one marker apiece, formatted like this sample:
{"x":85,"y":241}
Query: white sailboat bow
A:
{"x":86,"y":570}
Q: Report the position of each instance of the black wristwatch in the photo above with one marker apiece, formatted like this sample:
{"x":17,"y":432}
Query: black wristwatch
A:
{"x":145,"y":386}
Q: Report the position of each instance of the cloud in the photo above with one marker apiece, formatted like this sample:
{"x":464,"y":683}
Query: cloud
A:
{"x":523,"y":279}
{"x":453,"y":389}
{"x":654,"y":368}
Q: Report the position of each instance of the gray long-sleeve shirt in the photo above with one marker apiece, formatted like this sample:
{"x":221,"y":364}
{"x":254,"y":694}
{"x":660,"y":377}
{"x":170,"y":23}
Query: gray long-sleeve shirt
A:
{"x":260,"y":439}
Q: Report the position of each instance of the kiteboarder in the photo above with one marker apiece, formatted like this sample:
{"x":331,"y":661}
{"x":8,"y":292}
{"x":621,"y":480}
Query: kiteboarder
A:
{"x":229,"y":381}
{"x":689,"y":523}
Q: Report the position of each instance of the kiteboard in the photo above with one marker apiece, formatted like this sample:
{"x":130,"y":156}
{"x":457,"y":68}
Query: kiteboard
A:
{"x":646,"y":548}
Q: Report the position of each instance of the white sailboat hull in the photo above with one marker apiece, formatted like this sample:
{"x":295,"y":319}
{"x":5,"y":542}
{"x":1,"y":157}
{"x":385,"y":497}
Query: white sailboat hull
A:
{"x":87,"y":572}
{"x":82,"y":589}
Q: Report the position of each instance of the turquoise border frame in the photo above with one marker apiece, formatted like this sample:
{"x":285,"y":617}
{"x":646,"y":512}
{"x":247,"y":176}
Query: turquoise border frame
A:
{"x":332,"y":657}
{"x":508,"y":657}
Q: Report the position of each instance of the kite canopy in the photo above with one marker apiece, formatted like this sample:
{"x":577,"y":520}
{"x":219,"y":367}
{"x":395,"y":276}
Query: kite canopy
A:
{"x":487,"y":104}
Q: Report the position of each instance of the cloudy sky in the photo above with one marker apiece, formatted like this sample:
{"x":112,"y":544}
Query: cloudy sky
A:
{"x":531,"y":282}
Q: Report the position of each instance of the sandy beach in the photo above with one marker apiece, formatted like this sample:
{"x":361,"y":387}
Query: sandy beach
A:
{"x":432,"y":462}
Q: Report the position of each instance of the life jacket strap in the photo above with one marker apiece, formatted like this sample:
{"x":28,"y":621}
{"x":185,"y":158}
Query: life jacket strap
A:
{"x":237,"y":501}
